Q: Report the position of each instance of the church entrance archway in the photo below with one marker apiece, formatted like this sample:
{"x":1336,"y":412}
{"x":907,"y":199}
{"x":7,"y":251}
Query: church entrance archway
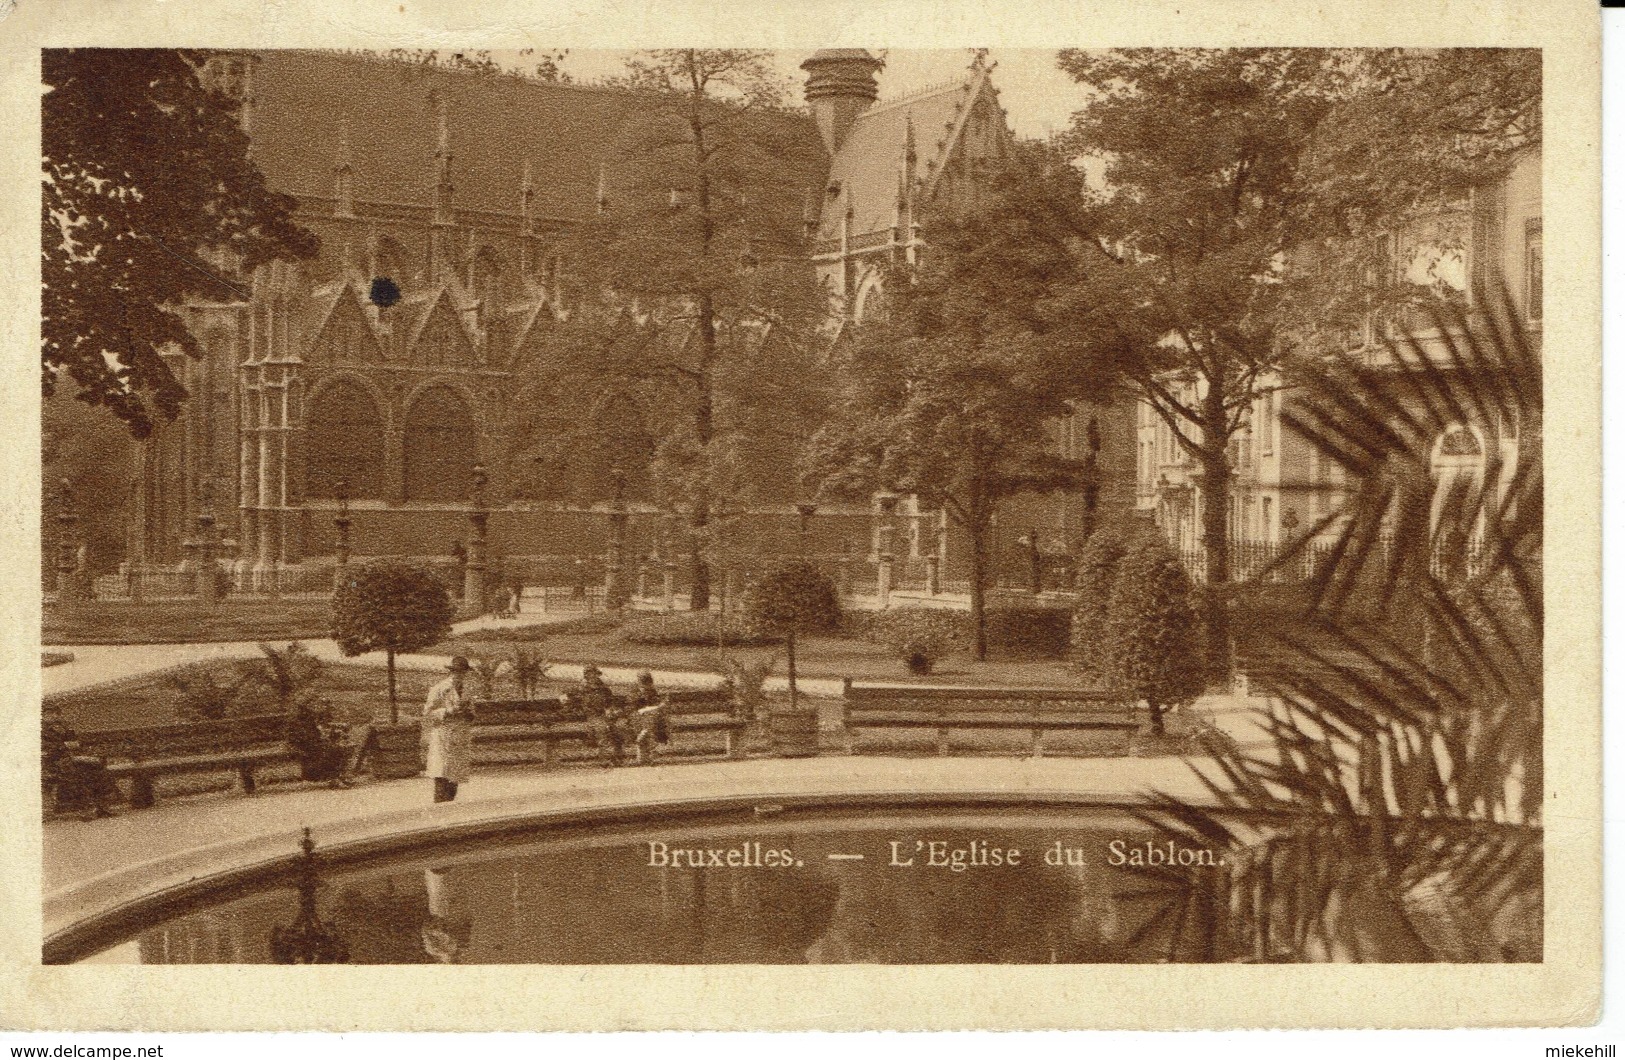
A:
{"x":439,"y":447}
{"x":344,"y":442}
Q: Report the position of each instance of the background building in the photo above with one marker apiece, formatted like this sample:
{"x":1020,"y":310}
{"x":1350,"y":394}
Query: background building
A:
{"x":1282,"y":486}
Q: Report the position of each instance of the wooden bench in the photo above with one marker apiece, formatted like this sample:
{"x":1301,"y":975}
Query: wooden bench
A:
{"x":1035,"y":710}
{"x":558,"y":720}
{"x":141,"y":754}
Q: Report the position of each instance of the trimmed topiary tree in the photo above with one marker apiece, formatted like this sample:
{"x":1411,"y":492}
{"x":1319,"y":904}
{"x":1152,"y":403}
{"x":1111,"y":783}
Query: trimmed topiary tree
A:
{"x":392,"y":607}
{"x":1096,"y":574}
{"x":1153,"y":643}
{"x":793,"y":598}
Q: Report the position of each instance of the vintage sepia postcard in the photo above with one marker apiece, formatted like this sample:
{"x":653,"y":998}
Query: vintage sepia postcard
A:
{"x":1040,"y":512}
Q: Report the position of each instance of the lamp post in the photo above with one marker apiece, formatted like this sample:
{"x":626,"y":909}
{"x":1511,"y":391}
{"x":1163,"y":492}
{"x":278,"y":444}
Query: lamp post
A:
{"x":615,"y":593}
{"x":308,"y":939}
{"x":883,"y":570}
{"x":1091,"y":478}
{"x":68,"y":588}
{"x":341,"y":523}
{"x":208,"y":590}
{"x":474,"y":571}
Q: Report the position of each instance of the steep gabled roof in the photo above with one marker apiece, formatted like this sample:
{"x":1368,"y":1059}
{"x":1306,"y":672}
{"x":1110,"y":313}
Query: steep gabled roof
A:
{"x":307,"y":103}
{"x":334,"y":302}
{"x":872,"y":157}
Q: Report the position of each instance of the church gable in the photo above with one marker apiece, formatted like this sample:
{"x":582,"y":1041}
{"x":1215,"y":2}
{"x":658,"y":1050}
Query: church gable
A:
{"x":345,"y":336}
{"x":977,"y":137}
{"x":440,"y":340}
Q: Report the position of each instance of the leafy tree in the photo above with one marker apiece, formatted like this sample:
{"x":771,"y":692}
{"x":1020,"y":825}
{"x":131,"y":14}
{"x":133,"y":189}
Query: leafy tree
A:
{"x":948,"y":397}
{"x":1153,"y":645}
{"x":791,"y":599}
{"x":1200,"y":220}
{"x":392,"y":607}
{"x":691,"y":296}
{"x":150,"y":200}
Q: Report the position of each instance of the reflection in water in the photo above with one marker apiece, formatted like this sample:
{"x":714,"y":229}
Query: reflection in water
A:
{"x":309,"y":939}
{"x":599,"y":901}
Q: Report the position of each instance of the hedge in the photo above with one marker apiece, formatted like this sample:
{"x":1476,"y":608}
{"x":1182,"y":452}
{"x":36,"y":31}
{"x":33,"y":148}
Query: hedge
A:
{"x":1026,"y":632}
{"x":696,"y":629}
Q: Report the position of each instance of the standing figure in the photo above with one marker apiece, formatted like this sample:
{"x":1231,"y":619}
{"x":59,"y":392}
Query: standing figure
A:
{"x":448,"y":731}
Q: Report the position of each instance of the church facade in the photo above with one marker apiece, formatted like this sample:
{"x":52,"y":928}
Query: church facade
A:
{"x":456,"y":187}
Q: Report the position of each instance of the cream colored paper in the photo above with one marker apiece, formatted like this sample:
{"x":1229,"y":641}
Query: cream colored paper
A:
{"x":1563,"y":990}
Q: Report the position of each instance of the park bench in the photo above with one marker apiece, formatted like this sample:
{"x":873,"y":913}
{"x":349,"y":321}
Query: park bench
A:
{"x":556,"y":721}
{"x":142,"y":754}
{"x":1036,"y":711}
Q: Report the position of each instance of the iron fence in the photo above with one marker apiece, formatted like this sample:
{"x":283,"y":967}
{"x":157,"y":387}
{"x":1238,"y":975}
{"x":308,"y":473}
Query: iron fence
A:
{"x":1270,"y":562}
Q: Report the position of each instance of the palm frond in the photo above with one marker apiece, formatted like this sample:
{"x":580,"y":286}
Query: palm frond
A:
{"x":1394,"y":813}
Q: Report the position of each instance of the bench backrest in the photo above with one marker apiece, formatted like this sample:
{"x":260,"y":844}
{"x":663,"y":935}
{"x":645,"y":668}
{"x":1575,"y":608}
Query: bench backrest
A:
{"x":860,"y":699}
{"x":682,"y":701}
{"x":195,"y":737}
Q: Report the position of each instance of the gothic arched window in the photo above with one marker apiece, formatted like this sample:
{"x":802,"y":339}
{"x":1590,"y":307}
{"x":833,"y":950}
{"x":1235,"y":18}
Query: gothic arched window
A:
{"x":344,"y":441}
{"x":439,"y":447}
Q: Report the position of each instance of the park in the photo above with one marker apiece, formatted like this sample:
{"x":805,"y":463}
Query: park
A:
{"x":698,"y":470}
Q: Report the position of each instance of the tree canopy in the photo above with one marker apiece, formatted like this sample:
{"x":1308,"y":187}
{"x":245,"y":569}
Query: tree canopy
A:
{"x":150,"y":200}
{"x":689,"y":291}
{"x":952,"y":393}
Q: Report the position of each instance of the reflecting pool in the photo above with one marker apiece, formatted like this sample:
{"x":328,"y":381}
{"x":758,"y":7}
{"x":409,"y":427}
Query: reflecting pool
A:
{"x":963,"y":887}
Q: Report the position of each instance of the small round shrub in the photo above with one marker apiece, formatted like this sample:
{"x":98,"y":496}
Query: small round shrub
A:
{"x":795,"y":597}
{"x":1153,"y":645}
{"x":392,"y":607}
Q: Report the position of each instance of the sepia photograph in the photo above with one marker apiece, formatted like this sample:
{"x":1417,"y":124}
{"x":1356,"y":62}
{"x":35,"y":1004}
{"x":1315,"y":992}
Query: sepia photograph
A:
{"x":701,"y":506}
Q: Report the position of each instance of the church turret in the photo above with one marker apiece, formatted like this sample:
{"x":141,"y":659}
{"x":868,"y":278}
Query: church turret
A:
{"x":840,"y":86}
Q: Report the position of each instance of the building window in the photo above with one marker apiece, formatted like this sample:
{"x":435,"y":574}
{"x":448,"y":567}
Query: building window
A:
{"x":1268,"y":518}
{"x":1532,"y":269}
{"x":1458,"y":476}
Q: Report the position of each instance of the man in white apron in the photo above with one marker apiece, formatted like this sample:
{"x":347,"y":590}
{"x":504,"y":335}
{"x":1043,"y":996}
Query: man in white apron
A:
{"x":448,"y":731}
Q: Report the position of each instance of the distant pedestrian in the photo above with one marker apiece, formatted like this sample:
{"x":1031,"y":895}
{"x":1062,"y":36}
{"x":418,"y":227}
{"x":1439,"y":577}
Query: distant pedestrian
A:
{"x":448,"y":731}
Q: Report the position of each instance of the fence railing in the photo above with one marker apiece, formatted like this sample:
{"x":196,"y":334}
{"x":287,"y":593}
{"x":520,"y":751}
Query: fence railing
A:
{"x":1269,"y":562}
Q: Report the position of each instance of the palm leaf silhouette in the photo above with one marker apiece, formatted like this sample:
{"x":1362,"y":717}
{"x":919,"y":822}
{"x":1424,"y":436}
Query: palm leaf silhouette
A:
{"x":1392,"y":812}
